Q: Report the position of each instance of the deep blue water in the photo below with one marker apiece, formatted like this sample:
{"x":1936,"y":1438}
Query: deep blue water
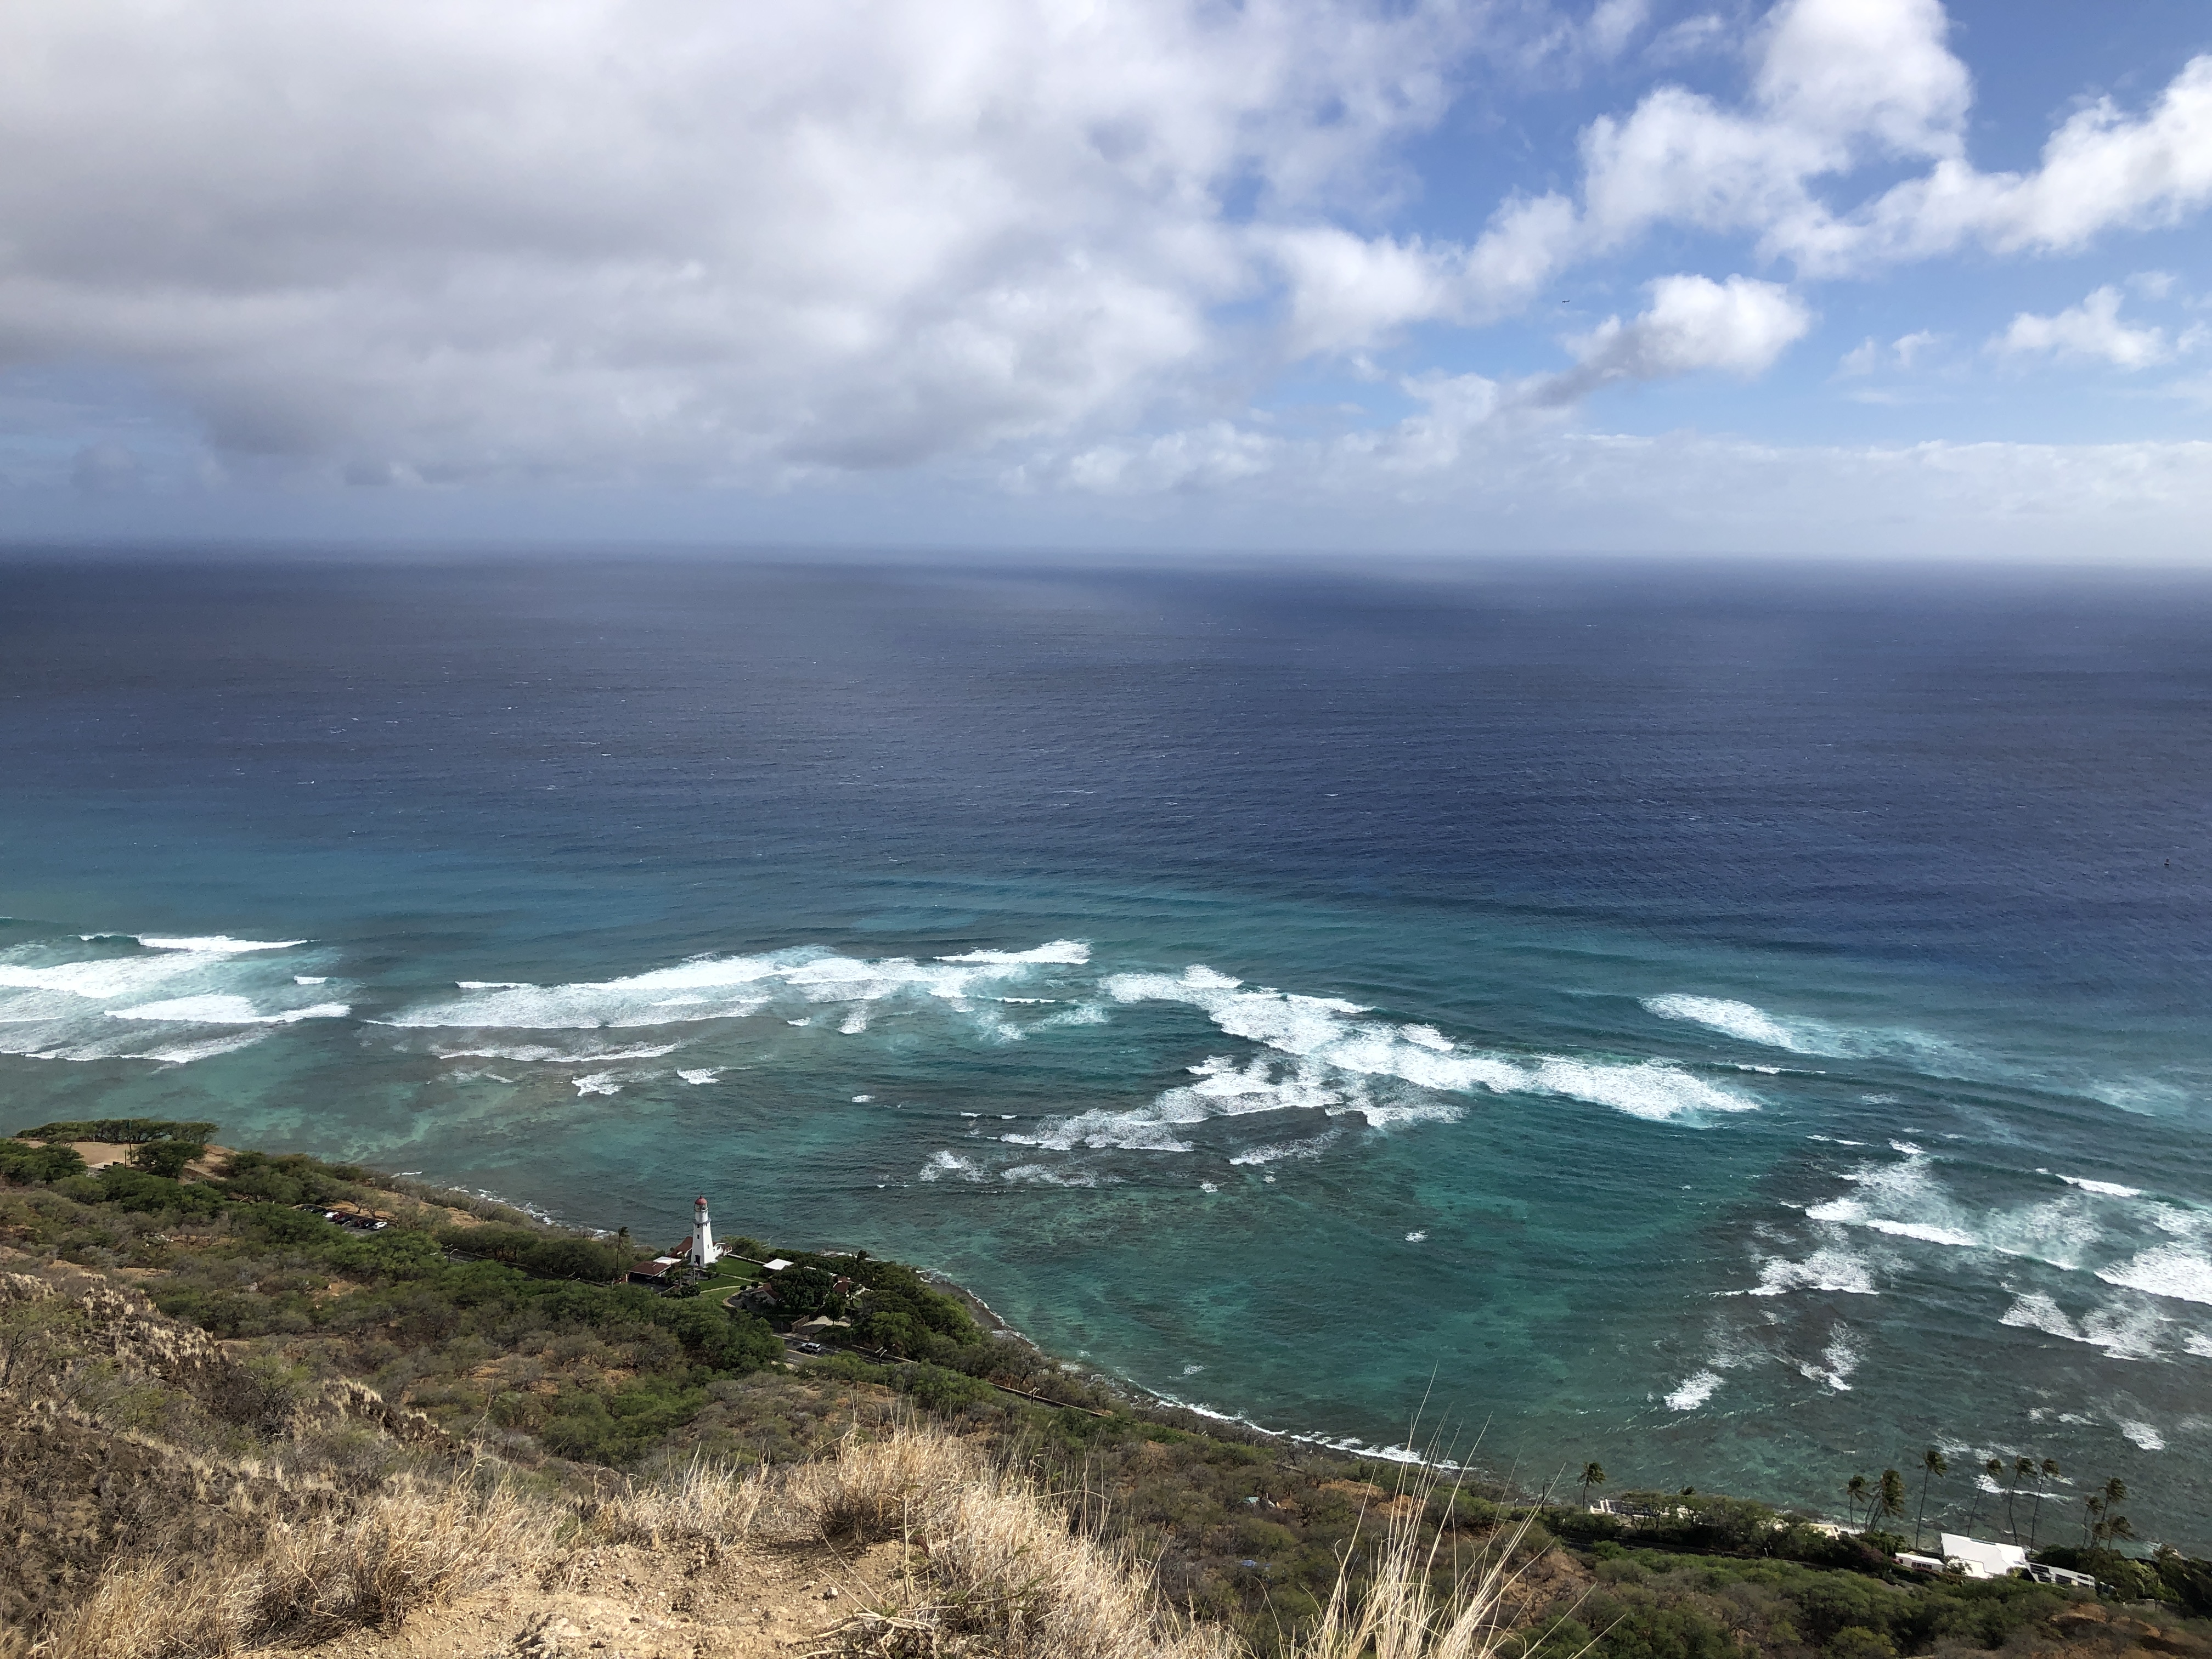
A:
{"x":1740,"y":1026}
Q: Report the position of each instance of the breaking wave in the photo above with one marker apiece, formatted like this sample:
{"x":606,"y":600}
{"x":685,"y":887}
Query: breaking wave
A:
{"x":734,"y":988}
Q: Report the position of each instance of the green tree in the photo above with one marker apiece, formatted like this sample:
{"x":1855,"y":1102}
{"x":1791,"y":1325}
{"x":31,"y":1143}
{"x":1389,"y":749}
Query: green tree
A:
{"x":1995,"y":1469}
{"x":1889,"y":1498}
{"x":2023,"y":1468}
{"x":2048,"y":1468}
{"x":2104,"y":1524}
{"x":167,"y":1157}
{"x":1856,"y":1489}
{"x":1932,"y":1464}
{"x":1593,"y":1475}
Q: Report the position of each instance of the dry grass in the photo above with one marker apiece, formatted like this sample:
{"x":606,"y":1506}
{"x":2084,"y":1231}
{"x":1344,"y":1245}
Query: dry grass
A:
{"x":708,"y":1503}
{"x":1005,"y":1576}
{"x":407,"y":1549}
{"x":1401,"y":1612}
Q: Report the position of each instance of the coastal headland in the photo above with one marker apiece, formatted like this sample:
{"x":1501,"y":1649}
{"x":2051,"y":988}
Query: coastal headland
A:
{"x":205,"y":1352}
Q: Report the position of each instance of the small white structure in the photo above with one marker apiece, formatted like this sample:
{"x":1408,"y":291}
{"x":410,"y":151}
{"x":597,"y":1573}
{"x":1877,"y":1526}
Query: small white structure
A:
{"x":776,"y":1265}
{"x":1919,"y":1563}
{"x":1977,"y":1560}
{"x":2066,"y":1577}
{"x":702,"y":1249}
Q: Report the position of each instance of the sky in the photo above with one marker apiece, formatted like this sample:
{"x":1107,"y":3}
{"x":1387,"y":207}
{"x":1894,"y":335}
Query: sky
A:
{"x":1826,"y":278}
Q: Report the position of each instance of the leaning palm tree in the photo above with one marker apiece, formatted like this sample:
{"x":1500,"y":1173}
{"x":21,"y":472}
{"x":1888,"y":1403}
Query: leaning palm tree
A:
{"x":1889,"y":1498}
{"x":1593,"y":1475}
{"x":2023,"y":1468}
{"x":1932,"y":1464}
{"x":1992,"y":1469}
{"x":2049,"y":1467}
{"x":1855,"y":1490}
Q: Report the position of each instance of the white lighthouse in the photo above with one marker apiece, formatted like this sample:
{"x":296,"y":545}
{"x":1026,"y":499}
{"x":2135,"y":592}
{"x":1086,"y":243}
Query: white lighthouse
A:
{"x":704,"y":1249}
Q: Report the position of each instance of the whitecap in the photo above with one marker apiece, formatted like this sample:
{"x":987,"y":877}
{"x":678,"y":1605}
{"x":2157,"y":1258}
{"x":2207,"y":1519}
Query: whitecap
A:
{"x":1321,"y":1031}
{"x":2103,"y":1189}
{"x":1207,"y":1187}
{"x":1070,"y":952}
{"x":944,"y":1163}
{"x":2167,"y":1270}
{"x":1418,"y":1237}
{"x":1830,"y":1268}
{"x":1274,"y":1153}
{"x":216,"y":943}
{"x":598,"y":1083}
{"x":728,"y":988}
{"x":1735,"y":1019}
{"x":2122,"y":1332}
{"x":311,"y":979}
{"x":2144,"y":1435}
{"x":219,"y":1008}
{"x":1907,"y":1200}
{"x":542,"y":1053}
{"x":701,"y":1074}
{"x":1693,"y":1391}
{"x":1039,"y":1175}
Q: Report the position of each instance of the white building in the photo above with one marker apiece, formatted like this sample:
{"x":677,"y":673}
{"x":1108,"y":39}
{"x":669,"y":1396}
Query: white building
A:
{"x":1977,"y":1560}
{"x":700,"y":1249}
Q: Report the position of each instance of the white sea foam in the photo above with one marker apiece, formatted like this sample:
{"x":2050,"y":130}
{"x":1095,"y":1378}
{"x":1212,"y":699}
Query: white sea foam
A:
{"x":1907,"y":1200}
{"x":1841,"y":1355}
{"x":944,"y":1164}
{"x":1693,"y":1391}
{"x":1276,"y":1153}
{"x":1071,"y":952}
{"x":1324,"y":1032}
{"x":2167,"y":1270}
{"x":1040,"y":1175}
{"x":2122,"y":1331}
{"x":2144,"y":1434}
{"x":311,"y":979}
{"x":701,"y":1074}
{"x":1735,"y":1019}
{"x":217,"y":944}
{"x":1416,"y":1236}
{"x":2103,"y":1189}
{"x":2199,"y":1343}
{"x":221,"y":1008}
{"x":1831,"y":1268}
{"x":1803,"y":1035}
{"x":598,"y":1083}
{"x":544,"y":1053}
{"x":727,"y":988}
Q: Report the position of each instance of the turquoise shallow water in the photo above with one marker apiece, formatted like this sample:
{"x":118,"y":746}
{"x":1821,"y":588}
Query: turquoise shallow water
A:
{"x":1739,"y":1036}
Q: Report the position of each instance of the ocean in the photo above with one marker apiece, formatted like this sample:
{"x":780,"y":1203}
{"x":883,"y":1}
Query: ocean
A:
{"x":1740,"y":1025}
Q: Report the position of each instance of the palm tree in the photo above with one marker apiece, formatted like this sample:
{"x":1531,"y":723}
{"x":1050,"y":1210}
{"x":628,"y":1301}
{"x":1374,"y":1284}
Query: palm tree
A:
{"x":1855,"y":1490}
{"x":1932,"y":1464}
{"x":2050,"y":1467}
{"x":2109,"y":1524}
{"x":2022,"y":1468}
{"x":1993,"y":1468}
{"x":1593,"y":1475}
{"x":1889,"y":1499}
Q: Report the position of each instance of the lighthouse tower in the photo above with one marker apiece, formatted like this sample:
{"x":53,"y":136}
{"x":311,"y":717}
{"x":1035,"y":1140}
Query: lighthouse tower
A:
{"x":704,"y":1249}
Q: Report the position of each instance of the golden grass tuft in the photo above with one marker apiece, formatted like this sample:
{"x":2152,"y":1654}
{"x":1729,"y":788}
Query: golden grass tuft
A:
{"x":708,"y":1503}
{"x":409,"y":1548}
{"x":1003,"y":1566}
{"x":1401,"y":1612}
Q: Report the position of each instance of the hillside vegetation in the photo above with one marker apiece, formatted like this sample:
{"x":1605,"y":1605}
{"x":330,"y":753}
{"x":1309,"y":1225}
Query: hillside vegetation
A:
{"x":454,"y":1417}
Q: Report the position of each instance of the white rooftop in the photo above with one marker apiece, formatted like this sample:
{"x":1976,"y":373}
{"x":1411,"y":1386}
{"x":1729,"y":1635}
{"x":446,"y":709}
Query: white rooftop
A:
{"x":776,"y":1265}
{"x":1982,"y":1559}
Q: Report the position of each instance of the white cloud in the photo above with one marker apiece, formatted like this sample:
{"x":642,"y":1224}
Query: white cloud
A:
{"x":2090,"y":332}
{"x":1870,"y":356}
{"x":413,"y":238}
{"x":1739,"y":327}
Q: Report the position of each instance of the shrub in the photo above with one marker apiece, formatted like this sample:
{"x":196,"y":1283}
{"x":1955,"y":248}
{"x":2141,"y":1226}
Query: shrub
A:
{"x":20,"y":1163}
{"x":168,"y":1157}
